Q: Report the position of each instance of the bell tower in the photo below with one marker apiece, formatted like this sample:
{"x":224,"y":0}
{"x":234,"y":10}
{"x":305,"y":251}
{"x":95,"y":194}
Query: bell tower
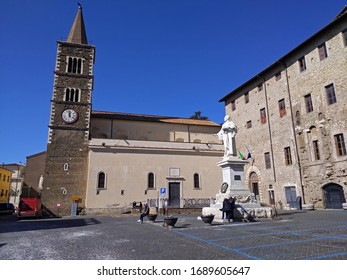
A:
{"x":66,"y":164}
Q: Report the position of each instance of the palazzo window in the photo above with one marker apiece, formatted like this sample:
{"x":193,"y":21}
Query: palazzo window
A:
{"x":262,"y":116}
{"x":302,"y":64}
{"x":330,"y":91}
{"x":340,"y":145}
{"x":322,"y":50}
{"x":75,"y":65}
{"x":344,"y":35}
{"x":246,"y":97}
{"x":267,"y":160}
{"x":233,"y":105}
{"x":282,"y":107}
{"x":249,"y":124}
{"x":308,"y":103}
{"x":288,"y":156}
{"x":316,"y":150}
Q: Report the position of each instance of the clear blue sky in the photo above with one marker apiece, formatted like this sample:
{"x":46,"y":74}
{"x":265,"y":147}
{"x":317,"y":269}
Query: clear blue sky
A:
{"x":160,"y":57}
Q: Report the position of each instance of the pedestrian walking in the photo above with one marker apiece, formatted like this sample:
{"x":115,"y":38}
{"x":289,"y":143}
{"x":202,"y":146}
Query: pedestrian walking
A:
{"x":144,"y":213}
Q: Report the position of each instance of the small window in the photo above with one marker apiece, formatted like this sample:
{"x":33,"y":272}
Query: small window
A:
{"x":233,"y":105}
{"x":282,"y":107}
{"x":322,"y":50}
{"x":196,"y":181}
{"x":308,"y":103}
{"x":249,"y":124}
{"x":278,"y":76}
{"x":150,"y":183}
{"x":302,"y":64}
{"x":288,"y":156}
{"x":246,"y":97}
{"x":267,"y":160}
{"x":340,"y":145}
{"x":330,"y":91}
{"x":260,"y":87}
{"x":101,"y":180}
{"x":262,"y":116}
{"x":316,"y":150}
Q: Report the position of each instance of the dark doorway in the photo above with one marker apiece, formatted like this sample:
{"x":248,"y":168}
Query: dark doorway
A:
{"x":271,"y":197}
{"x":174,"y":194}
{"x":291,"y":196}
{"x":253,"y":181}
{"x":333,"y":196}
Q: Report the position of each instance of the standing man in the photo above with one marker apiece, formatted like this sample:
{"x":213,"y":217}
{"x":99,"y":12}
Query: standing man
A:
{"x":144,"y":214}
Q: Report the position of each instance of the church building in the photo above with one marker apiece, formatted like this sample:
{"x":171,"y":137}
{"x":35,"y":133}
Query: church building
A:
{"x":105,"y":161}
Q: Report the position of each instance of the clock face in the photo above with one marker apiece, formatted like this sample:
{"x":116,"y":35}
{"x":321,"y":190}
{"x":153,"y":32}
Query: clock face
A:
{"x":69,"y":116}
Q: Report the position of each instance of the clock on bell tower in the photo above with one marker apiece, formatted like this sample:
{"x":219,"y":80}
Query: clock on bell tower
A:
{"x":68,"y":133}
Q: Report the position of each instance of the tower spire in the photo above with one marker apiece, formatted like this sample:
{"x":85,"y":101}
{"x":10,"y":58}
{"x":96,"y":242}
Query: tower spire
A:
{"x":77,"y":33}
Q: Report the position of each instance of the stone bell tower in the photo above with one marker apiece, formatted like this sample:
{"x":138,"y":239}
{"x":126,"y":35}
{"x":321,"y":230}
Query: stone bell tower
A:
{"x":65,"y":176}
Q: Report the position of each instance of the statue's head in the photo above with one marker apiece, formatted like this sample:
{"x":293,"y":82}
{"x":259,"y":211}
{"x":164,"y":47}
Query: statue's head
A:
{"x":226,"y":118}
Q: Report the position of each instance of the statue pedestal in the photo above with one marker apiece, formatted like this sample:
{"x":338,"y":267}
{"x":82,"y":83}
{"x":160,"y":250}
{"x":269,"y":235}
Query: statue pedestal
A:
{"x":232,"y":171}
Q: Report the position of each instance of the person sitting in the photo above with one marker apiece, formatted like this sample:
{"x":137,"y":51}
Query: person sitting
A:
{"x":144,"y":214}
{"x":227,"y":208}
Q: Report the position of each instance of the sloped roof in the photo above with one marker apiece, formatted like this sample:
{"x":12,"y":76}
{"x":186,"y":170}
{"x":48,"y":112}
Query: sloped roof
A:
{"x":78,"y":33}
{"x":151,"y":118}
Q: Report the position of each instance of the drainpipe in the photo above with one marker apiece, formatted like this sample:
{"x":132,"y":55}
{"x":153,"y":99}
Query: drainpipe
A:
{"x":269,"y":129}
{"x":188,"y":133}
{"x":293,"y":129}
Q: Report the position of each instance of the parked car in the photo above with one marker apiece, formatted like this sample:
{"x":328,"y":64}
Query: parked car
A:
{"x":7,"y":208}
{"x":29,"y":207}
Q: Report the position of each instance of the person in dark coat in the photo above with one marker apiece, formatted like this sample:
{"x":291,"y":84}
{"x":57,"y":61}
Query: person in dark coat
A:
{"x":144,"y":214}
{"x":227,"y":208}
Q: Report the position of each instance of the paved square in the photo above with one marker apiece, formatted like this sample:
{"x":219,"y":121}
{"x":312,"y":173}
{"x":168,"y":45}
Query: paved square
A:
{"x":297,"y":235}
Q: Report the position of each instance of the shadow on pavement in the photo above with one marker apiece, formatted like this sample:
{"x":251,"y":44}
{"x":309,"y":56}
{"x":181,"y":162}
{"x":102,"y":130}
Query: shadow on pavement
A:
{"x":13,"y":225}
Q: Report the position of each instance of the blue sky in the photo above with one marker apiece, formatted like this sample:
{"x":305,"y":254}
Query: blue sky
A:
{"x":159,"y":57}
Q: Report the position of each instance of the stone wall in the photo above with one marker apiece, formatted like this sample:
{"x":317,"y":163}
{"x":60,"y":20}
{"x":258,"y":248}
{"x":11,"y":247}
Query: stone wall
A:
{"x":296,"y":128}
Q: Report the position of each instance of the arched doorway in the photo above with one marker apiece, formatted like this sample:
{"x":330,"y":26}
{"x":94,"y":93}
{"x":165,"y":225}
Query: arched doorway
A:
{"x":333,"y":196}
{"x":253,"y":183}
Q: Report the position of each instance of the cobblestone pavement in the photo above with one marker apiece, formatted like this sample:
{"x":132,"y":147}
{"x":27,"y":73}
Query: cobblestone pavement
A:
{"x":297,"y":235}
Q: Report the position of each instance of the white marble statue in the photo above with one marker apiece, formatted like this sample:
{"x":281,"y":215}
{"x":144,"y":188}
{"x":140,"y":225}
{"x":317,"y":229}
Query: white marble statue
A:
{"x":227,"y":134}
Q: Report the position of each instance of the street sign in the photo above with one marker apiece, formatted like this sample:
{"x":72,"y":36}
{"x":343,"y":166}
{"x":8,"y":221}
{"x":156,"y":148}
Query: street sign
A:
{"x":162,"y":191}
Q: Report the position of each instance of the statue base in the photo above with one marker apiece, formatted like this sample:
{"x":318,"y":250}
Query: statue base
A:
{"x":246,"y":202}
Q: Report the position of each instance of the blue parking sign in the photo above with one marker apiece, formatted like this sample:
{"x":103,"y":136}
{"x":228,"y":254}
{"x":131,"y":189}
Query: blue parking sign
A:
{"x":162,"y":191}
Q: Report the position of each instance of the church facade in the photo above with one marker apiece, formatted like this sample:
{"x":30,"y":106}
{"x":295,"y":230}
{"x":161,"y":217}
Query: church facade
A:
{"x":107,"y":160}
{"x":292,"y":118}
